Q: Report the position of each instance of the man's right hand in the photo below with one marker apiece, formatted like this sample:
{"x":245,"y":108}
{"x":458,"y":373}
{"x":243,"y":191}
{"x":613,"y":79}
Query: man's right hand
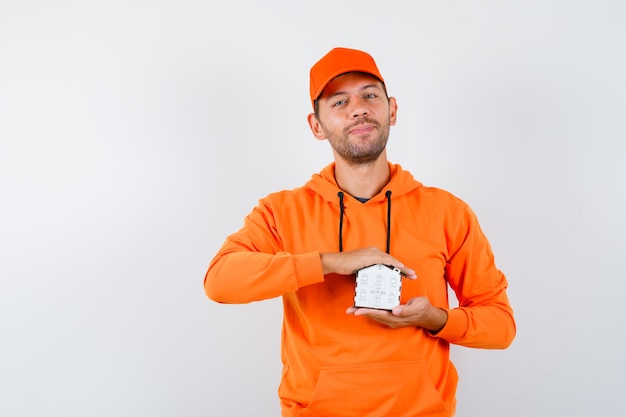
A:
{"x":347,"y":263}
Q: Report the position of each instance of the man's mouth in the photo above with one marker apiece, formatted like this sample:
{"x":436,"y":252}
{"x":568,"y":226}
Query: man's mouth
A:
{"x":362,"y":129}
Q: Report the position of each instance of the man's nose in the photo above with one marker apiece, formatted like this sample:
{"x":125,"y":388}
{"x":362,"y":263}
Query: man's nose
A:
{"x":359,"y":109}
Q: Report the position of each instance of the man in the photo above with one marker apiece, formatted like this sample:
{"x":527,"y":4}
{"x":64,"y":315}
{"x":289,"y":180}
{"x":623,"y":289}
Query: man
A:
{"x":306,"y":244}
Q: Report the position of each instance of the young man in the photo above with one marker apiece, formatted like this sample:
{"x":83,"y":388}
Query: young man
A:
{"x":306,"y":245}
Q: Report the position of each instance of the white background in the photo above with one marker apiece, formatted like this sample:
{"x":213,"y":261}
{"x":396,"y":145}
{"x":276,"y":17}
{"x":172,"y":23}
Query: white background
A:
{"x":135,"y":135}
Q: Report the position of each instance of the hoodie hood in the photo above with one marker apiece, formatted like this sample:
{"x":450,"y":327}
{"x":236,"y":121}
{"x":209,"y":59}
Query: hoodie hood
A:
{"x":324,"y":184}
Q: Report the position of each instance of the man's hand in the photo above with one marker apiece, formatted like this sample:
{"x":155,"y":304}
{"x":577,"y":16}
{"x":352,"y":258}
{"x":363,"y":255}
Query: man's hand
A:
{"x":347,"y":263}
{"x":417,"y":312}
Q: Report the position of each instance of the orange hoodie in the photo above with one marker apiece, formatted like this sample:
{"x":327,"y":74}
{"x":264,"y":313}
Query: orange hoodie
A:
{"x":335,"y":364}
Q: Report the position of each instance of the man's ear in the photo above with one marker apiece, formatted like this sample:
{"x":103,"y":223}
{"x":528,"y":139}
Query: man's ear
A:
{"x":393,"y":111}
{"x":316,"y":127}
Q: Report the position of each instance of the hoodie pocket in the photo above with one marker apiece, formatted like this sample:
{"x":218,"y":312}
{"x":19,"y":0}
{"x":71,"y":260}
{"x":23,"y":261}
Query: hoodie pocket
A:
{"x":398,"y":389}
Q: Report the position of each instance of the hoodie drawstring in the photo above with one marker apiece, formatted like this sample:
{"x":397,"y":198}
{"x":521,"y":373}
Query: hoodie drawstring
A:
{"x":388,"y":195}
{"x":340,"y":195}
{"x":341,"y":213}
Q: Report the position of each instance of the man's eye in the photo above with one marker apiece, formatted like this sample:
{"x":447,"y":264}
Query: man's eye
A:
{"x":371,"y":95}
{"x":339,"y":103}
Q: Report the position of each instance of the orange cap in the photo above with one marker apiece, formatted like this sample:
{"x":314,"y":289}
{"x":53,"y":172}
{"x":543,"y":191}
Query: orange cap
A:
{"x":340,"y":61}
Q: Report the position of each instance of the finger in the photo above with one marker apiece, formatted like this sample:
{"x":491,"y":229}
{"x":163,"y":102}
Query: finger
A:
{"x":405,"y":309}
{"x":372,"y":313}
{"x":408,"y":273}
{"x":404,"y":270}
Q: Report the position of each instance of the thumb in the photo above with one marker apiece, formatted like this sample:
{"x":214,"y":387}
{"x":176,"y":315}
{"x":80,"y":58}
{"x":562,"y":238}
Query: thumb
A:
{"x":406,"y":309}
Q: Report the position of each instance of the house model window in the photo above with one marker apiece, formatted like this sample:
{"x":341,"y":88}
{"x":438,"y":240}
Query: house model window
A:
{"x":378,"y":286}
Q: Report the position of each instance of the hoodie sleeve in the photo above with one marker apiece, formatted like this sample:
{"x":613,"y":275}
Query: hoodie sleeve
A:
{"x":484,"y":317}
{"x":252,"y":266}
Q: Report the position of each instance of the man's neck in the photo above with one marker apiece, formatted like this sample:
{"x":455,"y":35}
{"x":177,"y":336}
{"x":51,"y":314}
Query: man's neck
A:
{"x":364,"y":181}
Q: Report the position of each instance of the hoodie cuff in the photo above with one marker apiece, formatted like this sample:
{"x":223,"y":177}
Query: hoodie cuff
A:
{"x":308,"y":269}
{"x":455,"y":327}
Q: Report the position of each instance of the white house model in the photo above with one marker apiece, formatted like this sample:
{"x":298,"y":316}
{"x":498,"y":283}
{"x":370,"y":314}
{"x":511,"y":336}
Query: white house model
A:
{"x":378,"y":286}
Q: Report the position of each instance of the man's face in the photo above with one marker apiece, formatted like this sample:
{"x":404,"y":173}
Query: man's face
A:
{"x":354,"y":114}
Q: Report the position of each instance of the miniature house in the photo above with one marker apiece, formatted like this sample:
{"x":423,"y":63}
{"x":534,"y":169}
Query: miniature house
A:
{"x":378,"y":286}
